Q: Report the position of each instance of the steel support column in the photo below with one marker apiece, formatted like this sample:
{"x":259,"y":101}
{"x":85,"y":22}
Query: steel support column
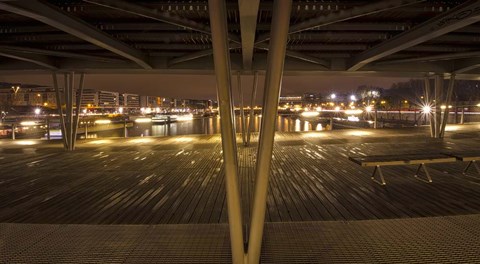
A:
{"x":438,"y":110}
{"x":251,"y":121}
{"x":273,"y":82}
{"x":77,"y":109}
{"x":242,"y":113}
{"x":448,"y":99}
{"x":221,"y":57}
{"x":59,"y":109}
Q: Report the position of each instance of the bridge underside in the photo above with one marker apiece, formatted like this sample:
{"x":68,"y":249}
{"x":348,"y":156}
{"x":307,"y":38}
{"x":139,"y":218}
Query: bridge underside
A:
{"x":408,"y":38}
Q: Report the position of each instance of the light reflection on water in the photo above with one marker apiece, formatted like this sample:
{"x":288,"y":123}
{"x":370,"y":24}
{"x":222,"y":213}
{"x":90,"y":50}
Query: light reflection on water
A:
{"x":211,"y":125}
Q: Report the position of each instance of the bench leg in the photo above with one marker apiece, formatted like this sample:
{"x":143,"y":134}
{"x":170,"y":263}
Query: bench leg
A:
{"x":429,"y":179}
{"x":382,"y":182}
{"x":470,"y":164}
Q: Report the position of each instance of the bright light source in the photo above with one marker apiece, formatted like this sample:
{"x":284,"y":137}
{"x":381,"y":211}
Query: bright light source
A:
{"x":443,"y":107}
{"x":426,"y":109}
{"x":84,"y":111}
{"x":478,"y":105}
{"x":157,"y":110}
{"x":120,"y":110}
{"x":143,"y":120}
{"x":353,"y":112}
{"x":28,"y":123}
{"x":310,"y":114}
{"x":142,"y":109}
{"x":353,"y":118}
{"x":368,"y":109}
{"x":353,"y":97}
{"x":185,"y":117}
{"x":337,"y":108}
{"x":319,"y":109}
{"x":103,"y":121}
{"x":148,"y":110}
{"x":313,"y":135}
{"x":333,"y":96}
{"x":37,"y":111}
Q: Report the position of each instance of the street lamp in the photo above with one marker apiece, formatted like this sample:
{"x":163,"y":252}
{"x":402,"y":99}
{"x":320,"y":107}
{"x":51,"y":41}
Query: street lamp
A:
{"x":353,"y":97}
{"x":37,"y":111}
{"x":333,"y":96}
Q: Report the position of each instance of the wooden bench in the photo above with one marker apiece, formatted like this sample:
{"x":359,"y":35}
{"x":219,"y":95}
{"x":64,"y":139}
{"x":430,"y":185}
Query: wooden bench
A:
{"x":404,"y":159}
{"x":471,"y":157}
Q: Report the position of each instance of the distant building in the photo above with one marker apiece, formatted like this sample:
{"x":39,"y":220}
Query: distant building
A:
{"x":107,"y":99}
{"x":311,"y":98}
{"x":89,"y":98}
{"x":129,"y":100}
{"x":291,"y":100}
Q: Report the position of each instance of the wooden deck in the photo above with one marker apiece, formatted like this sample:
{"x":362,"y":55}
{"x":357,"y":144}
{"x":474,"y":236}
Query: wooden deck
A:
{"x":179,"y":180}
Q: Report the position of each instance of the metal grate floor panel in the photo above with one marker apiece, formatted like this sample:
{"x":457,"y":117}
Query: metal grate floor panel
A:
{"x":451,"y":239}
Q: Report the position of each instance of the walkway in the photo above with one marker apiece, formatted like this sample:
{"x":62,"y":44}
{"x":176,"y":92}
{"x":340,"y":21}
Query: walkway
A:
{"x":174,"y":185}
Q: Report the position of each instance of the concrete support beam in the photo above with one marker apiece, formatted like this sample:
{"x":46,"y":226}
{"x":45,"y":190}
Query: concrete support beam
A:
{"x":273,"y":82}
{"x":448,"y":99}
{"x":57,"y":18}
{"x":59,"y":109}
{"x":343,"y":15}
{"x":41,"y":60}
{"x":251,"y":120}
{"x":248,"y":10}
{"x":221,"y":57}
{"x":456,"y":18}
{"x":165,"y":17}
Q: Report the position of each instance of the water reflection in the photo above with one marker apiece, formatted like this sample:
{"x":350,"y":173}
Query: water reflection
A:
{"x":211,"y":125}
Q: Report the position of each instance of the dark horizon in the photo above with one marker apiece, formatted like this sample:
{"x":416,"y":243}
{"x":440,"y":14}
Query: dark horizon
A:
{"x":177,"y":86}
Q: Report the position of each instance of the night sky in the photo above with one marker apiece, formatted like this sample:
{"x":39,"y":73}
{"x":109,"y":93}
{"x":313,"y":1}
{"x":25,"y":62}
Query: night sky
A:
{"x":203,"y":86}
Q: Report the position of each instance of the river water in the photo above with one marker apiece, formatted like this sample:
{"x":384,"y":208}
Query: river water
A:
{"x":208,"y":126}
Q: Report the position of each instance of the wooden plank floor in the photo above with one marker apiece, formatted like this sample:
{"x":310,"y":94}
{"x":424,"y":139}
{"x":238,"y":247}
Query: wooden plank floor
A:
{"x":180,"y":180}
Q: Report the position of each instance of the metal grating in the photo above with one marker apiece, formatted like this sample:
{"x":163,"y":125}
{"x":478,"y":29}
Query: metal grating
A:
{"x":452,"y":239}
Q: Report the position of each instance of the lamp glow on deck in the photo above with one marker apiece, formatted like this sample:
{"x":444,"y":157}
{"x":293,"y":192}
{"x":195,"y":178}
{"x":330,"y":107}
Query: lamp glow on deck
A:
{"x":353,"y":112}
{"x":310,"y":114}
{"x":27,"y":123}
{"x":100,"y":142}
{"x":426,"y":109}
{"x":143,"y":120}
{"x":359,"y":133}
{"x":185,"y":117}
{"x":184,"y":139}
{"x":313,"y":135}
{"x":26,"y":142}
{"x":103,"y":121}
{"x":140,"y":140}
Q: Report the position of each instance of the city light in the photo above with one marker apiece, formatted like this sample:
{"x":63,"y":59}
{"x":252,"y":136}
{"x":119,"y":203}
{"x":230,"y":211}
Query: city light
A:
{"x":120,"y":110}
{"x":333,"y":96}
{"x":426,"y":109}
{"x":143,"y":120}
{"x":337,"y":108}
{"x":368,"y":109}
{"x":318,"y":109}
{"x":353,"y":97}
{"x":103,"y":121}
{"x":28,"y":123}
{"x":310,"y":114}
{"x":84,"y":111}
{"x":37,"y":111}
{"x":443,"y":107}
{"x":185,"y":117}
{"x":353,"y":112}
